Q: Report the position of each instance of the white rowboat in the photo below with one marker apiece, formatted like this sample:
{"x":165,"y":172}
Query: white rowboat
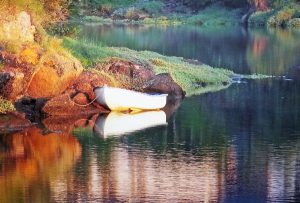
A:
{"x":117,"y":99}
{"x":118,"y":123}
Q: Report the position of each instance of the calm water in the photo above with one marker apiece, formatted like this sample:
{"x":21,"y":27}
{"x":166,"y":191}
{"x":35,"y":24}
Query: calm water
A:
{"x":241,"y":144}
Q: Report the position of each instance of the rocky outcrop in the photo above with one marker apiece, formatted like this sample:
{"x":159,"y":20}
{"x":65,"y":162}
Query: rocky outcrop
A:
{"x":17,"y":28}
{"x":130,"y":69}
{"x":78,"y":99}
{"x":143,"y":75}
{"x":163,"y":83}
{"x":55,"y":75}
{"x":33,"y":68}
{"x":64,"y":105}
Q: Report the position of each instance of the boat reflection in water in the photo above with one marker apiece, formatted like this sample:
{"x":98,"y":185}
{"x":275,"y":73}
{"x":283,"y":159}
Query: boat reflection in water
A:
{"x":119,"y":123}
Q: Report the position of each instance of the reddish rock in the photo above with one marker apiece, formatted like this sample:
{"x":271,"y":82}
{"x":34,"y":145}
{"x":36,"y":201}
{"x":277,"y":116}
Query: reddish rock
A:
{"x":57,"y":73}
{"x":130,"y":69}
{"x":86,"y":83}
{"x":163,"y":83}
{"x":81,"y":99}
{"x":64,"y":105}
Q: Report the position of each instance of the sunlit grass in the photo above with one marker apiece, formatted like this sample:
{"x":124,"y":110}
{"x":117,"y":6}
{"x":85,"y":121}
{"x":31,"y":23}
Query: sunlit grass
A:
{"x":6,"y":106}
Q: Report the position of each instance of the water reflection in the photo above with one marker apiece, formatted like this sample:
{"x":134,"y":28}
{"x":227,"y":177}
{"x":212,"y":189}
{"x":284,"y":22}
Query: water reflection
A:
{"x":31,"y":163}
{"x":120,"y":123}
{"x":265,"y":51}
{"x":237,"y":145}
{"x":273,"y":51}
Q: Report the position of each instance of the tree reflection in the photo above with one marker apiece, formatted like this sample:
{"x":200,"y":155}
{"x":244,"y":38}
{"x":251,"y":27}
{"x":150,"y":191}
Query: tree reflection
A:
{"x":273,"y":51}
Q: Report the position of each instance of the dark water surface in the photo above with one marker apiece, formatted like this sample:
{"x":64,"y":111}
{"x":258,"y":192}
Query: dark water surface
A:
{"x":241,"y":144}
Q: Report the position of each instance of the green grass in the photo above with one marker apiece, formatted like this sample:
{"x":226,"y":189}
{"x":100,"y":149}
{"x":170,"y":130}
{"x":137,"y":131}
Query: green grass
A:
{"x":216,"y":15}
{"x":112,"y":3}
{"x":6,"y":106}
{"x":193,"y":79}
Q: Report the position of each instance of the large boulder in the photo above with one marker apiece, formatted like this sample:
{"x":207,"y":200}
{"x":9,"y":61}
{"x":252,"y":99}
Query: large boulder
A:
{"x":163,"y":83}
{"x":65,"y":105}
{"x":56,"y":74}
{"x":14,"y":87}
{"x":78,"y":99}
{"x":131,"y":70}
{"x":87,"y":81}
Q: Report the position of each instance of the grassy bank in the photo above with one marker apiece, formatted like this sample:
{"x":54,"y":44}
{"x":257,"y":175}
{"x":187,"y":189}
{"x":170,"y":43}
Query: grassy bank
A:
{"x":194,"y":79}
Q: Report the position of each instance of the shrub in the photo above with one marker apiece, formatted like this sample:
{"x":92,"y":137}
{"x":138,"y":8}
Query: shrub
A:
{"x":216,"y":15}
{"x":294,"y":22}
{"x":281,"y":17}
{"x":6,"y":106}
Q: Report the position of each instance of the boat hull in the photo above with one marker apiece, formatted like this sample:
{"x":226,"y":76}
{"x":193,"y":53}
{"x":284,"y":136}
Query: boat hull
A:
{"x":117,"y":99}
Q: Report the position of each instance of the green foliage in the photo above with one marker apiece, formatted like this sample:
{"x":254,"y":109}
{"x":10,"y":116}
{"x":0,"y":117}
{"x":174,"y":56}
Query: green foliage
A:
{"x":260,"y":18}
{"x":46,"y":11}
{"x":280,"y":3}
{"x":283,"y":13}
{"x":111,"y":3}
{"x":216,"y":15}
{"x":281,"y":17}
{"x":95,"y":19}
{"x":294,"y":23}
{"x":6,"y":106}
{"x":63,"y":29}
{"x":163,"y":21}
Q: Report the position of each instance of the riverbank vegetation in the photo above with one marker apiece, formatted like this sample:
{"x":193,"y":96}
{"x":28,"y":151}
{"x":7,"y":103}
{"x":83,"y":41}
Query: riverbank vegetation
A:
{"x":193,"y":76}
{"x":275,"y":13}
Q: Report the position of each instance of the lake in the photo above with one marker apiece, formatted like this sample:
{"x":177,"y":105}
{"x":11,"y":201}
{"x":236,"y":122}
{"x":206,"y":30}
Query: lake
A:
{"x":240,"y":144}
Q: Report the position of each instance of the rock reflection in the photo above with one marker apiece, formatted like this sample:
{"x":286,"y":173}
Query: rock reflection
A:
{"x":31,"y":161}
